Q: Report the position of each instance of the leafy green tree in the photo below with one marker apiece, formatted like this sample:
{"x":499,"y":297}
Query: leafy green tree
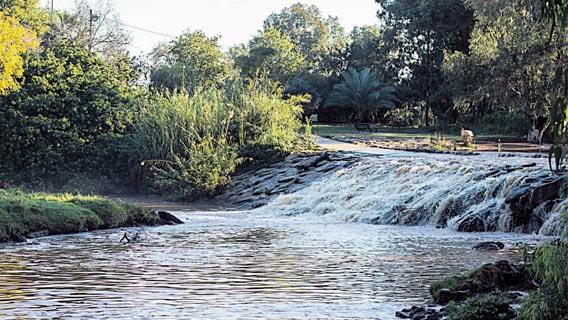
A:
{"x":71,"y":109}
{"x":319,"y":39}
{"x":364,"y":49}
{"x":273,"y":53}
{"x":363,"y":93}
{"x":508,"y":66}
{"x":188,"y":62}
{"x":417,"y":33}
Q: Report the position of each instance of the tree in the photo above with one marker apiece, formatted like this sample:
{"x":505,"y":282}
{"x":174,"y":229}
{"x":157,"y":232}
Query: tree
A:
{"x":69,"y":108}
{"x":362,"y":92}
{"x":319,"y":39}
{"x":417,"y":33}
{"x":15,"y":39}
{"x":28,"y":13}
{"x":273,"y":53}
{"x":366,"y":42}
{"x":510,"y":65}
{"x":190,"y":61}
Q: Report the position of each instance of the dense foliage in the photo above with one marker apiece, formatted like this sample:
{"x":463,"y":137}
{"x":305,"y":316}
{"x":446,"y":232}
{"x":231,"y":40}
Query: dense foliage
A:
{"x":68,"y":117}
{"x":190,"y":61}
{"x":550,"y":267}
{"x":363,"y":92}
{"x":19,"y":28}
{"x":188,"y":145}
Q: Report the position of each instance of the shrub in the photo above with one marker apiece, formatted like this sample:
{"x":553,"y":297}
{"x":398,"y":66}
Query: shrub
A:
{"x":550,"y":267}
{"x":71,"y":111}
{"x":481,"y":308}
{"x":187,"y":145}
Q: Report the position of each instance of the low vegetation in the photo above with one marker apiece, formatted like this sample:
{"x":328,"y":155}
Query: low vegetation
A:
{"x":23,"y":214}
{"x":488,"y":307}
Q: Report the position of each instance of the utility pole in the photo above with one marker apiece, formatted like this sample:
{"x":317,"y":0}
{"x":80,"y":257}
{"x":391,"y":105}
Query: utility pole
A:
{"x":90,"y":29}
{"x":92,"y":19}
{"x":51,"y":17}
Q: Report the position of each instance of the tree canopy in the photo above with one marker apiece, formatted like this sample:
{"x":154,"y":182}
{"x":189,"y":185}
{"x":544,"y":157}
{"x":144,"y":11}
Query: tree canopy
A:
{"x":190,"y":61}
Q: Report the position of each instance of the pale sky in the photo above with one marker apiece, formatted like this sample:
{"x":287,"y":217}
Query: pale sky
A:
{"x":236,"y":21}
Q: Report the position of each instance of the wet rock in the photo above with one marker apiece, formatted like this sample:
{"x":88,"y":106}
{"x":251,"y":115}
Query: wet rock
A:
{"x":490,"y":246}
{"x":169,"y":218}
{"x":429,"y":312}
{"x":499,"y":276}
{"x":38,"y":234}
{"x":447,"y":295}
{"x":287,"y":179}
{"x":524,"y":199}
{"x":472,"y":223}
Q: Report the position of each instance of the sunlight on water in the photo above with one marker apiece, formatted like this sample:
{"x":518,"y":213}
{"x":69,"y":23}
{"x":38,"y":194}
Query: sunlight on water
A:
{"x":223,"y":265}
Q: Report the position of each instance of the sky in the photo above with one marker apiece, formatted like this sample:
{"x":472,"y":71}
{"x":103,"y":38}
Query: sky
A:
{"x":236,"y":21}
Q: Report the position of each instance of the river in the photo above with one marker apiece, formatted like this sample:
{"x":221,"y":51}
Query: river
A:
{"x":236,"y":265}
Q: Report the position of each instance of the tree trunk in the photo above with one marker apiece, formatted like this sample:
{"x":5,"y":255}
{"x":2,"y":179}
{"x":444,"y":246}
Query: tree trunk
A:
{"x":536,"y":132}
{"x":361,"y":117}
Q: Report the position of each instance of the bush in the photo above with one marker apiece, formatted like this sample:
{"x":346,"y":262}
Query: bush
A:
{"x":187,"y":146}
{"x":481,"y":308}
{"x":71,"y":112}
{"x":550,"y":267}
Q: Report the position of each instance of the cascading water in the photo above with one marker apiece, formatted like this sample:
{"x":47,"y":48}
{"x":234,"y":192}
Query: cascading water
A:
{"x":464,"y":194}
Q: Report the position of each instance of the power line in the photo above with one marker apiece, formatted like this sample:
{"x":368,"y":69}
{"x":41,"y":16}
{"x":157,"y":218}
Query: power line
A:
{"x":147,"y":30}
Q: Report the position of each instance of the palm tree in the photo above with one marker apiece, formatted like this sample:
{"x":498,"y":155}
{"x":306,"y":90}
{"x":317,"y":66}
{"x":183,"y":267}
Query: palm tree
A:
{"x":363,"y":92}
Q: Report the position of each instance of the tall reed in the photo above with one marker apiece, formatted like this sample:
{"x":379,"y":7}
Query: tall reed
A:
{"x":187,"y":145}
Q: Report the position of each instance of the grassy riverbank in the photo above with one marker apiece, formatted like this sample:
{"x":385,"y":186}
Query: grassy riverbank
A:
{"x":24,"y":215}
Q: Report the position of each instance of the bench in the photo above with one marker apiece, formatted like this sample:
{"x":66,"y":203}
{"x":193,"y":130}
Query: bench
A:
{"x":371,"y":127}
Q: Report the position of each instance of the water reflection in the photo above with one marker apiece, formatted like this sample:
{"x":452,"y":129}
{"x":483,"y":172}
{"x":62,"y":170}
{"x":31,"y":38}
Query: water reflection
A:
{"x":235,"y":266}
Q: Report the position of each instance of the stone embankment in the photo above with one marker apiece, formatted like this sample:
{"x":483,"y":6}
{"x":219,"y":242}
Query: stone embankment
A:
{"x":255,"y":189}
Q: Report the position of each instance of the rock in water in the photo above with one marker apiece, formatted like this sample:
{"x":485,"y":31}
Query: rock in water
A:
{"x":169,"y":218}
{"x":38,"y":234}
{"x":490,"y":246}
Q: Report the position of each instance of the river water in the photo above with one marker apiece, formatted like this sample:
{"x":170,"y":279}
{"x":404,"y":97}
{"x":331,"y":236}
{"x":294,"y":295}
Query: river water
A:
{"x":236,"y":265}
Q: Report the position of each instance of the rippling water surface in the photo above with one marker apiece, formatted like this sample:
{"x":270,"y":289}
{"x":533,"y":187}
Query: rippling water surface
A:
{"x":235,"y":265}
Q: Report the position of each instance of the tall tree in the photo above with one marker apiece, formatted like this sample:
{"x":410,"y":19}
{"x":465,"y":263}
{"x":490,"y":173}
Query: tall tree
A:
{"x":417,"y":33}
{"x":511,"y":64}
{"x":190,"y":61}
{"x":273,"y":53}
{"x":364,"y":49}
{"x":97,"y":29}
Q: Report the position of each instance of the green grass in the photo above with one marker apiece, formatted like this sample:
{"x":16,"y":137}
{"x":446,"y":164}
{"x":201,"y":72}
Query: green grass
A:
{"x":389,"y":132}
{"x":22,"y":214}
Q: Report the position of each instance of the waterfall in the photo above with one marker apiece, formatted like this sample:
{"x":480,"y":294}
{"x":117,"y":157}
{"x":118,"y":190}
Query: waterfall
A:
{"x":464,"y":194}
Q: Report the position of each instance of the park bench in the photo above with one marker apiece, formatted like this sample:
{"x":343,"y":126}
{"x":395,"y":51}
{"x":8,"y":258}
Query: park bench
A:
{"x":371,"y":127}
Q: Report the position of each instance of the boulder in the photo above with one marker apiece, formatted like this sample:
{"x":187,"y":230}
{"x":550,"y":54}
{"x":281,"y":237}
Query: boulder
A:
{"x":38,"y":234}
{"x":472,"y":223}
{"x":169,"y":218}
{"x":490,"y":246}
{"x":524,"y":199}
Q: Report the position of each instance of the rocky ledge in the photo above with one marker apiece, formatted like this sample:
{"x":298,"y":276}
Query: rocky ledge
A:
{"x":492,"y":290}
{"x":254,"y":189}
